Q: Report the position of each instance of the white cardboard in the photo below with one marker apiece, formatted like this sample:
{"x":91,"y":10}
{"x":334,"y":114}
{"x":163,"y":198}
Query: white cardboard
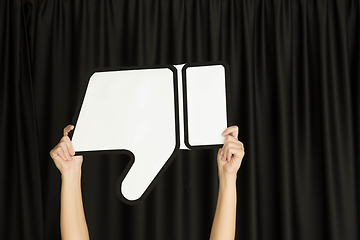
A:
{"x":134,"y":110}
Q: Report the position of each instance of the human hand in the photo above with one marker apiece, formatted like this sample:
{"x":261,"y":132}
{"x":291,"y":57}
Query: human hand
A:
{"x":230,"y":156}
{"x":63,"y":155}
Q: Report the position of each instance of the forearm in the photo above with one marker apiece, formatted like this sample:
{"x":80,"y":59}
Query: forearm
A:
{"x":72,"y":218}
{"x":224,"y":223}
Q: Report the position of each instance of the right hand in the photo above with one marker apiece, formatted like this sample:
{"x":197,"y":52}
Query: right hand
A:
{"x":63,"y":155}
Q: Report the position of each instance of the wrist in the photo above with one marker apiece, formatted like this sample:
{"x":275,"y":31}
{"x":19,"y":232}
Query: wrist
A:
{"x":227,"y":180}
{"x":71,"y":175}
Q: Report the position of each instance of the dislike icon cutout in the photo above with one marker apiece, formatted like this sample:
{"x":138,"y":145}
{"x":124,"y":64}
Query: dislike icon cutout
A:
{"x":150,"y":114}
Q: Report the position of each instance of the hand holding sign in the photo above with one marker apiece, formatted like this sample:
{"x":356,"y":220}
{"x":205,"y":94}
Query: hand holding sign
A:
{"x":63,"y":155}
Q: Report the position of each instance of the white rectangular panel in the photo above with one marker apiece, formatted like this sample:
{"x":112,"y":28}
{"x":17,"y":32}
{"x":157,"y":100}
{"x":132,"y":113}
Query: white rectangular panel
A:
{"x":206,"y":104}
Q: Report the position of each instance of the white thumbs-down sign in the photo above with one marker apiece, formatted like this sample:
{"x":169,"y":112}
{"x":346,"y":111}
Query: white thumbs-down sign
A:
{"x":150,"y":114}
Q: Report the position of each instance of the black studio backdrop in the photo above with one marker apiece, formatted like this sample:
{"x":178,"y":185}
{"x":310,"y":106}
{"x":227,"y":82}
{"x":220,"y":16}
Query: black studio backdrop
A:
{"x":295,"y":94}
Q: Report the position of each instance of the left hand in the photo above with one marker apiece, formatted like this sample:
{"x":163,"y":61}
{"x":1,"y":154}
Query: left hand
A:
{"x":230,"y":156}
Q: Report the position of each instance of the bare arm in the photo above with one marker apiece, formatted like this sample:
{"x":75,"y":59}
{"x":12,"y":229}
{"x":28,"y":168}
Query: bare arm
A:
{"x":229,"y":159}
{"x":72,"y":218}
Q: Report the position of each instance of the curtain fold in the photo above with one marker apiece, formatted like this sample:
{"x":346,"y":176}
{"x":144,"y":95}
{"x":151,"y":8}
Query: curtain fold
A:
{"x":20,"y":183}
{"x":9,"y":64}
{"x":295,"y":84}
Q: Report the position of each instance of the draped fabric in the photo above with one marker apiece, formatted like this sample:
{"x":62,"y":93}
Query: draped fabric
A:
{"x":20,"y":180}
{"x":295,"y":94}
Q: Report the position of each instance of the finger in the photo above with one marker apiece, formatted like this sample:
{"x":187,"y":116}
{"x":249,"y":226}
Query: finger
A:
{"x":232,"y":139}
{"x":236,"y":152}
{"x":231,"y":142}
{"x":224,"y":151}
{"x":70,"y":147}
{"x":229,"y":154}
{"x":58,"y":152}
{"x":233,"y":130}
{"x":221,"y":154}
{"x":219,"y":151}
{"x":62,"y":154}
{"x":65,"y":149}
{"x":67,"y":129}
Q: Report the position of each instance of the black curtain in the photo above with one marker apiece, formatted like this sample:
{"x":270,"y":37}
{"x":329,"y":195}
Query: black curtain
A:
{"x":295,"y":85}
{"x":21,"y":206}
